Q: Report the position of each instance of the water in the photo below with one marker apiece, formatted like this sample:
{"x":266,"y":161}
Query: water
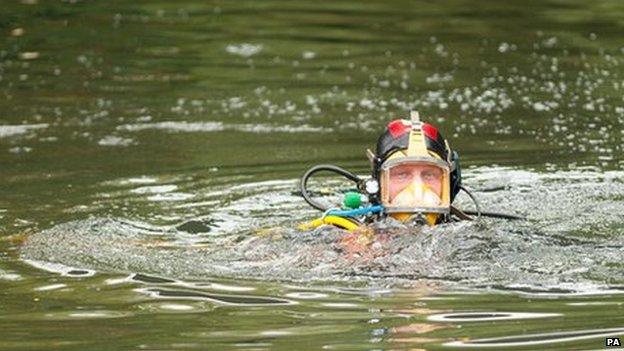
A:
{"x":149,"y":156}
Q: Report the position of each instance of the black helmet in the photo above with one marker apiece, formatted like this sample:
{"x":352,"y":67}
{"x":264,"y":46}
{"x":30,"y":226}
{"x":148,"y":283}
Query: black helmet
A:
{"x":396,"y":137}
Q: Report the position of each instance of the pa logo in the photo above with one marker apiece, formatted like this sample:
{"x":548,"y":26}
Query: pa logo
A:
{"x":615,"y":342}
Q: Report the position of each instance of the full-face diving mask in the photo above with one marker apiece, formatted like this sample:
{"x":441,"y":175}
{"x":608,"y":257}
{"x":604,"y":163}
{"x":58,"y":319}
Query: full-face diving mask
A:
{"x":413,"y":167}
{"x":415,"y":184}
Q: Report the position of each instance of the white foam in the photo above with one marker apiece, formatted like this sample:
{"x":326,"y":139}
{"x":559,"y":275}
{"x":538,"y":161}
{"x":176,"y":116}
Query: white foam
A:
{"x":59,"y":268}
{"x":9,"y":276}
{"x":50,"y":287}
{"x":141,"y":180}
{"x":244,"y":49}
{"x":232,"y":288}
{"x":11,"y":130}
{"x":170,"y":197}
{"x":182,"y":126}
{"x":155,"y":189}
{"x":111,"y":140}
{"x":175,"y":126}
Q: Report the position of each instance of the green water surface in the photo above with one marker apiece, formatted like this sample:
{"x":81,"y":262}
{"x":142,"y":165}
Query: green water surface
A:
{"x":135,"y":109}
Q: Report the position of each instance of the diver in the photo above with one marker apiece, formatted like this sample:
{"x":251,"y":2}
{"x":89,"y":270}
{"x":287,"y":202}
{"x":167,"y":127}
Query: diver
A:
{"x":415,"y":178}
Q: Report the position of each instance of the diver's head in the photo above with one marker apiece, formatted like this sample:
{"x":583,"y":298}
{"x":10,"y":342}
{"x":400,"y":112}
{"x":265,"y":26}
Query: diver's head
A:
{"x":417,"y":172}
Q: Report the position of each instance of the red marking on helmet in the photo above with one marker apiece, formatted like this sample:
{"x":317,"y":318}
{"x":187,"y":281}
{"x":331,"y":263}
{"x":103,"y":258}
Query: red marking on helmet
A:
{"x":430,"y":131}
{"x":398,"y":127}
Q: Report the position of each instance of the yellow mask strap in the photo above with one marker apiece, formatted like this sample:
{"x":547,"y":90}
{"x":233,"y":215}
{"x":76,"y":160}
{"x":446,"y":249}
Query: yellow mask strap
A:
{"x":417,"y":145}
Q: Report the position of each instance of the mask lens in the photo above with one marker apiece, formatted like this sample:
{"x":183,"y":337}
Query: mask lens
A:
{"x":415,"y":184}
{"x":414,"y":175}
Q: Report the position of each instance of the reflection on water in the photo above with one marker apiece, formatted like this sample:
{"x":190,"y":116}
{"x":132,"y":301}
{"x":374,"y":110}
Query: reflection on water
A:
{"x":149,"y":153}
{"x":482,"y":317}
{"x":326,"y":316}
{"x":222,"y":299}
{"x":536,"y":339}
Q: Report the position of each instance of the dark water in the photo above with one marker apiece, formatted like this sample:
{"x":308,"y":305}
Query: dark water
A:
{"x":149,"y":156}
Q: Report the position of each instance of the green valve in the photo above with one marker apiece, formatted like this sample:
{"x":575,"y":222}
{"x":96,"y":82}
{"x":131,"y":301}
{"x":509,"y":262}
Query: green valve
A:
{"x":352,"y":200}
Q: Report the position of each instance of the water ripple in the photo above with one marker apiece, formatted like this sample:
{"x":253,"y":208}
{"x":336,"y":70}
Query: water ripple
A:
{"x":538,"y":339}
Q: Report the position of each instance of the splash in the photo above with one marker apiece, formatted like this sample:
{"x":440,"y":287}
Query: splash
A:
{"x":571,"y":240}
